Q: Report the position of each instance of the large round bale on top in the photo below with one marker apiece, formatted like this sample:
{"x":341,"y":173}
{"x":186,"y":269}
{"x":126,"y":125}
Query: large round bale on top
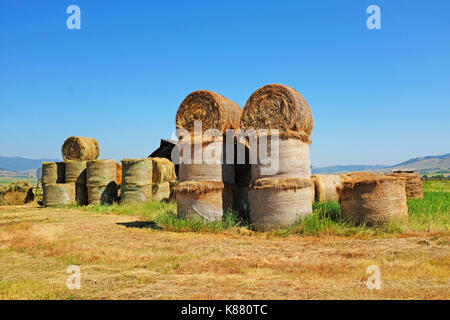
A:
{"x":277,"y":106}
{"x":59,"y":194}
{"x":136,"y":180}
{"x":279,"y":202}
{"x":413,"y":183}
{"x":325,"y":186}
{"x":101,"y":181}
{"x":373,"y":199}
{"x":80,"y":148}
{"x":212,"y":109}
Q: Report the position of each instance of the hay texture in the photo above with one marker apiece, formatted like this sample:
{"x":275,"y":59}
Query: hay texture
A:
{"x":206,"y":199}
{"x":279,"y":202}
{"x":413,"y":184}
{"x":292,"y":155}
{"x":137,"y":177}
{"x":161,"y":191}
{"x":118,"y":178}
{"x":277,"y":106}
{"x":212,"y":109}
{"x":163,"y":171}
{"x":372,"y":199}
{"x":16,"y":193}
{"x":206,"y":163}
{"x":53,"y":172}
{"x":101,"y":181}
{"x":76,"y":173}
{"x":325,"y":187}
{"x":59,"y":194}
{"x":80,"y":148}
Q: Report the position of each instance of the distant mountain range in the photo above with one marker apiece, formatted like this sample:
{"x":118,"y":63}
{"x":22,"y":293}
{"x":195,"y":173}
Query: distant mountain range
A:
{"x":442,"y":162}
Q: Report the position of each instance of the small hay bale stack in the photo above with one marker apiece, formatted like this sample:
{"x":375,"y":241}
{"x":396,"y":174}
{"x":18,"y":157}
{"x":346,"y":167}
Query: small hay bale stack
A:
{"x":101,"y":181}
{"x":53,"y":172}
{"x":59,"y":194}
{"x":137,"y":180}
{"x":206,"y":162}
{"x":206,"y":199}
{"x":80,"y":148}
{"x":373,"y":199}
{"x":278,"y":202}
{"x":413,"y":184}
{"x":16,"y":193}
{"x":76,"y":173}
{"x":325,"y":186}
{"x":163,"y":176}
{"x":212,"y":109}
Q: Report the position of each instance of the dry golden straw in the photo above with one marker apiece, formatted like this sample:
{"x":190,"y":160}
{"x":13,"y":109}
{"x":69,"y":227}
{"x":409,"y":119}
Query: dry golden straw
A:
{"x":80,"y":148}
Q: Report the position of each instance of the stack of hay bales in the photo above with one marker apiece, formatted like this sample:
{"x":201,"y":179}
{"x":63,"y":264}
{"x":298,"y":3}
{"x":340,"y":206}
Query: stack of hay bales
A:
{"x":101,"y":181}
{"x":162,"y":178}
{"x":271,"y":195}
{"x":136,"y":180}
{"x":206,"y":188}
{"x":16,"y":193}
{"x":325,"y":187}
{"x":413,"y":183}
{"x":372,"y":198}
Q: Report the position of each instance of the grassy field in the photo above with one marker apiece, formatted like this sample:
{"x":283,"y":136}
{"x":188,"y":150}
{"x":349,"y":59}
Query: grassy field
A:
{"x":143,"y":252}
{"x":6,"y":180}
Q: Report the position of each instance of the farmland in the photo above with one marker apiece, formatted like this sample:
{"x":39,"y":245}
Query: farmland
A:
{"x":142,"y":252}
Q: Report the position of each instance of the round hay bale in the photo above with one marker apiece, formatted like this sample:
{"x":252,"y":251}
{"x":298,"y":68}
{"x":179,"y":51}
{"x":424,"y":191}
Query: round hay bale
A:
{"x":293,"y":160}
{"x":413,"y":184}
{"x":161,"y":191}
{"x":163,"y":170}
{"x":16,"y":193}
{"x":136,"y":180}
{"x":80,"y":148}
{"x":59,"y":194}
{"x":212,"y":109}
{"x":373,"y":199}
{"x":325,"y":186}
{"x":75,"y":171}
{"x":212,"y":166}
{"x":101,"y":181}
{"x":277,"y":106}
{"x":278,"y":202}
{"x":206,"y":199}
{"x":53,"y":172}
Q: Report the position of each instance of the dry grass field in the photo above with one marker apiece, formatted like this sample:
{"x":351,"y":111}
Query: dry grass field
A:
{"x":123,"y":255}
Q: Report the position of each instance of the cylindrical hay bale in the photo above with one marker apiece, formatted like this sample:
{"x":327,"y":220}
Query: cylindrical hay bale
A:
{"x":136,"y":180}
{"x":101,"y":181}
{"x":278,"y":202}
{"x":289,"y":160}
{"x":277,"y":106}
{"x":59,"y":194}
{"x":53,"y":172}
{"x":413,"y":184}
{"x":80,"y":148}
{"x":207,"y":163}
{"x":163,"y":170}
{"x":373,"y":200}
{"x":206,"y":199}
{"x":161,"y":191}
{"x":325,"y":186}
{"x":75,"y":171}
{"x":212,"y":109}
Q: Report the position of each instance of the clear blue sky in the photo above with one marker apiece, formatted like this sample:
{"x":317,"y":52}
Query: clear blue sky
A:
{"x":377,"y":96}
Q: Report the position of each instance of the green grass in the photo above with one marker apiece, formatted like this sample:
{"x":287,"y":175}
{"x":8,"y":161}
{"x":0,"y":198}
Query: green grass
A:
{"x":430,"y":214}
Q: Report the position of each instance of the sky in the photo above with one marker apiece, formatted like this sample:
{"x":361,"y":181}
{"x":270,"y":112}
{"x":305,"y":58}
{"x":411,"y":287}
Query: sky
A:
{"x":377,"y":96}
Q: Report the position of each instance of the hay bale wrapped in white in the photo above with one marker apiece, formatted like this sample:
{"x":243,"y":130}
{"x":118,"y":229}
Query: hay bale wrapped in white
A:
{"x":278,"y":202}
{"x":206,"y":199}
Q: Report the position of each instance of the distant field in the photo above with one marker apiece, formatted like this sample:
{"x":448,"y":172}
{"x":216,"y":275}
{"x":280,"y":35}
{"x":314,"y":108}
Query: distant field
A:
{"x":6,"y":180}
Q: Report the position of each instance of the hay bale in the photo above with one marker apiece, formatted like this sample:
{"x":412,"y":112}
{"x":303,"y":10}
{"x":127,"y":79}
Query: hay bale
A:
{"x":278,"y":202}
{"x":206,"y":199}
{"x":80,"y":148}
{"x":101,"y":181}
{"x":118,"y":178}
{"x":212,"y":166}
{"x":59,"y":194}
{"x":413,"y":184}
{"x":372,"y":199}
{"x":136,"y":180}
{"x":76,"y":173}
{"x":16,"y":193}
{"x":293,"y":160}
{"x":325,"y":186}
{"x":277,"y":106}
{"x":212,"y":109}
{"x":163,"y":170}
{"x":53,"y":172}
{"x":161,"y":191}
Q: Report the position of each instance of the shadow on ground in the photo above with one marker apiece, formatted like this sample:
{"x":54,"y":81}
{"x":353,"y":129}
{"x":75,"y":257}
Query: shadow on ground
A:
{"x":140,"y":224}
